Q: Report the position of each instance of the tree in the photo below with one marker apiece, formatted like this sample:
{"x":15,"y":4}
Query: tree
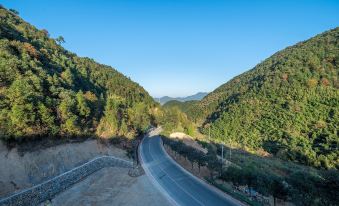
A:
{"x":192,"y":155}
{"x":304,"y":187}
{"x":249,"y":173}
{"x":123,"y":130}
{"x":331,"y":186}
{"x":70,"y":126}
{"x":278,"y":188}
{"x":14,"y":11}
{"x":137,"y":114}
{"x":108,"y":125}
{"x":45,"y":32}
{"x":23,"y":100}
{"x":202,"y":159}
{"x":31,"y":50}
{"x":68,"y":76}
{"x":67,"y":112}
{"x":47,"y":120}
{"x":234,"y":174}
{"x":60,"y":40}
{"x":82,"y":105}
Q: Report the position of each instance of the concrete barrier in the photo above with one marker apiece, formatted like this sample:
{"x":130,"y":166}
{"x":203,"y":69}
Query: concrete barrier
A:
{"x":48,"y":189}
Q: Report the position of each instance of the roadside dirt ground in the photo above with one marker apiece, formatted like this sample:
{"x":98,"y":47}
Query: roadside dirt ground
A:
{"x":111,"y":186}
{"x":108,"y":186}
{"x":20,"y":171}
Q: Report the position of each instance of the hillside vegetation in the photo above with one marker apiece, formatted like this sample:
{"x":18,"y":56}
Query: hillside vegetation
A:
{"x":183,"y":106}
{"x":269,"y":176}
{"x":46,"y":90}
{"x":288,"y":105}
{"x":191,"y":108}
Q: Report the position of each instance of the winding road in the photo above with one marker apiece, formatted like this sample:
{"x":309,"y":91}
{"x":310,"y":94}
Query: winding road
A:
{"x":178,"y":185}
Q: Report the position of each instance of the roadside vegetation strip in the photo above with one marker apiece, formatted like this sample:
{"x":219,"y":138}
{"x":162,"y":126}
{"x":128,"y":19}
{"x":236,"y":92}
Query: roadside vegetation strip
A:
{"x":195,"y":156}
{"x":48,"y":189}
{"x":201,"y":181}
{"x":265,"y":176}
{"x":237,"y":195}
{"x":217,"y":190}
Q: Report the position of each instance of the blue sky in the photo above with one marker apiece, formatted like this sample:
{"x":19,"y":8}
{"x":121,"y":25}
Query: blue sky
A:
{"x":179,"y":47}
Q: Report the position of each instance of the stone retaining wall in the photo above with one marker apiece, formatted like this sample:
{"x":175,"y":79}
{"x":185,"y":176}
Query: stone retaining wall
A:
{"x":48,"y":189}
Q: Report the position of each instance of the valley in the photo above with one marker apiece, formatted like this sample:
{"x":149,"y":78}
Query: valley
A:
{"x":77,"y":132}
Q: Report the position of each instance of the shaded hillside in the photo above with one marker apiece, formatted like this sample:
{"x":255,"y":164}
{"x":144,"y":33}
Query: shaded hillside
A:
{"x":46,"y":90}
{"x":190,"y":108}
{"x":288,"y":104}
{"x":181,"y":105}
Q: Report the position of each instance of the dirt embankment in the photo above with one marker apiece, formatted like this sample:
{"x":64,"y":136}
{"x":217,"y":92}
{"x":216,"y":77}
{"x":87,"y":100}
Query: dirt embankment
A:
{"x":20,"y":170}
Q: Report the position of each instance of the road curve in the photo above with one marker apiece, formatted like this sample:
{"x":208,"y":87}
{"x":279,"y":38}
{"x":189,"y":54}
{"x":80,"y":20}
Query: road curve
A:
{"x":179,"y":186}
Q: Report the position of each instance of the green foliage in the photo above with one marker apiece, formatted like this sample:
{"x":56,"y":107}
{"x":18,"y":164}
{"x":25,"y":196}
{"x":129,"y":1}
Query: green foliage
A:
{"x":60,"y":40}
{"x":193,"y":155}
{"x":190,"y":108}
{"x":173,"y":120}
{"x":301,"y":185}
{"x":14,"y":11}
{"x":82,"y":105}
{"x":287,"y":105}
{"x":46,"y":90}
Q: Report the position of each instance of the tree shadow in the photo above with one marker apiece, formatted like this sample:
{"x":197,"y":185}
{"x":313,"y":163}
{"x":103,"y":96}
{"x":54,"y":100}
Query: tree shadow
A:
{"x":268,"y":175}
{"x":40,"y":142}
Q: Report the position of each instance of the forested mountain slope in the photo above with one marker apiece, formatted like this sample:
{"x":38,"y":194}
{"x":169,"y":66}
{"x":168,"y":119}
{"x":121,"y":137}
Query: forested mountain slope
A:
{"x":46,"y":90}
{"x":288,"y":104}
{"x":182,"y":105}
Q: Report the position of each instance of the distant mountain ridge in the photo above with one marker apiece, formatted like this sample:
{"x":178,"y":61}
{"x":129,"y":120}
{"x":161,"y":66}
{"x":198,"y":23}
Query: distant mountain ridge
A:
{"x":197,"y":96}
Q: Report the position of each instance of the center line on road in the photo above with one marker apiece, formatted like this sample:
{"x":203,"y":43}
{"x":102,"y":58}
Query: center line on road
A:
{"x":185,"y":191}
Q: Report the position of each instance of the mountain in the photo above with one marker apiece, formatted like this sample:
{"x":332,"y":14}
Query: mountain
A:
{"x":197,"y":96}
{"x":46,"y":90}
{"x":287,"y":105}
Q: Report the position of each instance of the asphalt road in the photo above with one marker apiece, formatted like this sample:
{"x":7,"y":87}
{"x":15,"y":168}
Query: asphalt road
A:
{"x":179,"y":186}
